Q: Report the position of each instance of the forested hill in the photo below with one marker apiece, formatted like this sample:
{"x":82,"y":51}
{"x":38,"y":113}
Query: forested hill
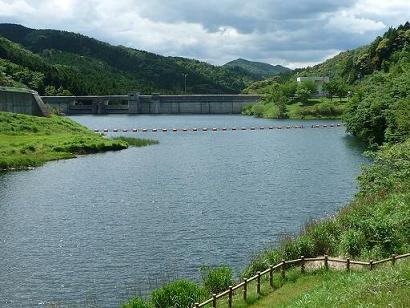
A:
{"x":259,"y":69}
{"x":52,"y":61}
{"x":355,"y":64}
{"x":377,"y":76}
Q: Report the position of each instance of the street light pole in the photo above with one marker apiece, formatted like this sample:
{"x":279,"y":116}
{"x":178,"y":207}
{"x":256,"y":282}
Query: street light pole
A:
{"x":185,"y":76}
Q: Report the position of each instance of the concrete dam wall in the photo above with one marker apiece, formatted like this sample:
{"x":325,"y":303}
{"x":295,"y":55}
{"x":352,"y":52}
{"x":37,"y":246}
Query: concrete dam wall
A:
{"x":22,"y":101}
{"x":134,"y":103}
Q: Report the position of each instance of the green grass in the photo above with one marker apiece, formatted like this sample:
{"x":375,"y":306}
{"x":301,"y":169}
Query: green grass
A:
{"x":386,"y":286}
{"x":136,"y":142}
{"x":29,"y":141}
{"x":253,"y":297}
{"x":15,"y":89}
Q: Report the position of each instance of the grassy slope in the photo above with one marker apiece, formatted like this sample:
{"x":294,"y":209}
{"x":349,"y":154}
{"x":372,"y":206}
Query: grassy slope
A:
{"x":31,"y":141}
{"x":384,"y":287}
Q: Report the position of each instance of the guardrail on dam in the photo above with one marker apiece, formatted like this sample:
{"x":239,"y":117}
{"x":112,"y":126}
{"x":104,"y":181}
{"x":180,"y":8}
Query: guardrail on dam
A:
{"x":134,"y":103}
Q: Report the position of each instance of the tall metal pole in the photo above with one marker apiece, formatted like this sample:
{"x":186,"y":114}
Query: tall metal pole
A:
{"x":185,"y":76}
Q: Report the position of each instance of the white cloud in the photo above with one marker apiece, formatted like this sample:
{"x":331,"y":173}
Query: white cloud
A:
{"x":392,"y":10}
{"x":11,"y":9}
{"x":294,"y":33}
{"x":347,"y":22}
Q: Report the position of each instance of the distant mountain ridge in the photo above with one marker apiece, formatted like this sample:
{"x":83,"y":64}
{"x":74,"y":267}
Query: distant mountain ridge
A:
{"x":259,"y":69}
{"x":47,"y":59}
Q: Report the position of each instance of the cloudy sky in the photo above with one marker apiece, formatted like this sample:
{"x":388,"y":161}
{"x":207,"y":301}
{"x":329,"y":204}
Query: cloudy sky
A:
{"x":287,"y":32}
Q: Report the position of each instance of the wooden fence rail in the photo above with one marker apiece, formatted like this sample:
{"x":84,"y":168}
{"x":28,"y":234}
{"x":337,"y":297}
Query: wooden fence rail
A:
{"x":282,"y":268}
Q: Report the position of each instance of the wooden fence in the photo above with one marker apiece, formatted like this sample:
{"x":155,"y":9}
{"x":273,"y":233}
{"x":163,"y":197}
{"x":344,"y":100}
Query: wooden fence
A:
{"x":281,"y":267}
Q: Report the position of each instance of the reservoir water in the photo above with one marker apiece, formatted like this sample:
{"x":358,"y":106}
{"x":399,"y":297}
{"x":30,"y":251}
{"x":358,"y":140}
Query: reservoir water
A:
{"x":99,"y":229}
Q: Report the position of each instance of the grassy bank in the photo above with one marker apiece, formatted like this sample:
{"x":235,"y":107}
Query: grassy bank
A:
{"x":386,"y":286}
{"x":28,"y":141}
{"x":315,"y":108}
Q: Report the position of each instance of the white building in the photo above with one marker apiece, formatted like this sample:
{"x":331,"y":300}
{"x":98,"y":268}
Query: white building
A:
{"x":319,"y":82}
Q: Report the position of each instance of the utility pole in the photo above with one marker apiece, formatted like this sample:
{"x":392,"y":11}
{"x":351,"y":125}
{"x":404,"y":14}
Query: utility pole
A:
{"x":185,"y":76}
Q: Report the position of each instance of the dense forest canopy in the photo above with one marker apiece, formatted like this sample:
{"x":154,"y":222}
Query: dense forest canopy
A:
{"x":378,"y":76}
{"x":51,"y":61}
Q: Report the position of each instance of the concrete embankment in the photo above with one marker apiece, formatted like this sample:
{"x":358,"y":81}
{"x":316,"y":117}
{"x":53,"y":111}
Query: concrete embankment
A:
{"x":22,"y":101}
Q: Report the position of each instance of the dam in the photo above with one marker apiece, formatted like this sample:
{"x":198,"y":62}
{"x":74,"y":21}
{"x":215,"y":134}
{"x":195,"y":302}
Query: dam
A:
{"x":134,"y":103}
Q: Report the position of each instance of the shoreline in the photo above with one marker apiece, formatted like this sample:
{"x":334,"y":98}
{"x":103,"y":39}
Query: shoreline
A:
{"x":27,"y":141}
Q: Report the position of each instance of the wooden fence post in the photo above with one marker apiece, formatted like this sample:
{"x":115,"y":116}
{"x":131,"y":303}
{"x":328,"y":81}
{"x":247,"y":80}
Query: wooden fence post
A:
{"x":326,"y":262}
{"x":371,"y":264}
{"x":258,"y":284}
{"x":302,"y":264}
{"x":393,"y":259}
{"x":271,"y":276}
{"x":348,"y":264}
{"x":230,"y":297}
{"x":282,"y":269}
{"x":214,"y":300}
{"x":245,"y":289}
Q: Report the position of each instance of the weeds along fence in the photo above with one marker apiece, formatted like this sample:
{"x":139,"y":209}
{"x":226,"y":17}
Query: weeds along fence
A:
{"x":283,"y":266}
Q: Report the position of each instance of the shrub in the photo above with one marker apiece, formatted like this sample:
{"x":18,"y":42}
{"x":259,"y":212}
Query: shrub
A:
{"x":258,"y":110}
{"x":352,"y":242}
{"x":323,"y":235}
{"x":216,"y":279}
{"x":305,"y":246}
{"x":258,"y":263}
{"x":178,"y":294}
{"x":289,"y":248}
{"x":136,"y":303}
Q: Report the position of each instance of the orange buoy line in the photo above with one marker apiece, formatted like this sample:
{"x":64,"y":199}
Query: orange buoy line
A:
{"x":214,"y":129}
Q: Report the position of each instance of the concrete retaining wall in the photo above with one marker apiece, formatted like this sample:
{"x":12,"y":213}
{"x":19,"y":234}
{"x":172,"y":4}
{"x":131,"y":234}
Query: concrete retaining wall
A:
{"x":22,"y":101}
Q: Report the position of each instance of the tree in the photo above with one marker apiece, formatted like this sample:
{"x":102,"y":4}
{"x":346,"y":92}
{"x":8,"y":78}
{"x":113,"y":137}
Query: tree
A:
{"x":281,"y":104}
{"x":331,"y":88}
{"x":342,"y":89}
{"x":289,"y":88}
{"x":303,"y":94}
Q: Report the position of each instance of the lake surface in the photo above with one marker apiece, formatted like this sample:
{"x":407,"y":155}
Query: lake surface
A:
{"x":99,"y":229}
